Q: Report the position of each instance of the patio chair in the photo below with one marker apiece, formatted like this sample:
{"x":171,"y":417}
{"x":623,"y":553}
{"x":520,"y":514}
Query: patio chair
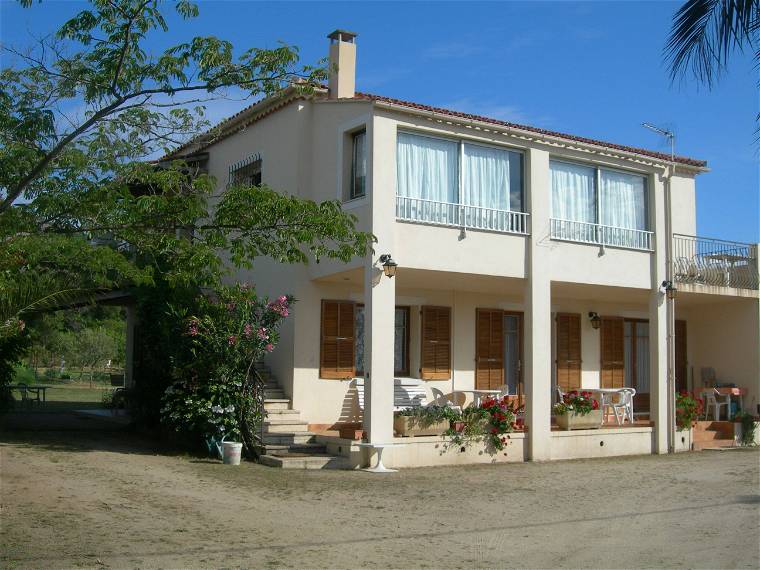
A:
{"x":621,"y":405}
{"x":503,"y":391}
{"x":712,"y":403}
{"x":29,"y":395}
{"x":442,"y":400}
{"x":560,"y":395}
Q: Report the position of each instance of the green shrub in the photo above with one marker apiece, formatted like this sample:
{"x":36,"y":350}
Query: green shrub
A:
{"x":51,"y":374}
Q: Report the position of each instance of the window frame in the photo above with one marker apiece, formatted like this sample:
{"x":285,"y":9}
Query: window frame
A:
{"x":352,"y":194}
{"x":253,"y":162}
{"x":598,"y":187}
{"x":461,"y":141}
{"x":407,"y":333}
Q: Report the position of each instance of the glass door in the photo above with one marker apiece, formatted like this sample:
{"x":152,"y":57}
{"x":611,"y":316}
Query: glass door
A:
{"x":637,"y":361}
{"x":513,"y":353}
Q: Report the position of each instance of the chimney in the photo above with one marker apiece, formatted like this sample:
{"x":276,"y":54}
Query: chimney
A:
{"x":342,"y":65}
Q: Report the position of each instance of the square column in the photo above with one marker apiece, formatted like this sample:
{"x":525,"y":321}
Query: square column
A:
{"x":658,"y":322}
{"x":538,"y":326}
{"x":379,"y":332}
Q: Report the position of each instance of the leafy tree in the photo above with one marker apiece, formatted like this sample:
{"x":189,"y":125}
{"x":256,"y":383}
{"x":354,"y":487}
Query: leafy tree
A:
{"x":94,"y":348}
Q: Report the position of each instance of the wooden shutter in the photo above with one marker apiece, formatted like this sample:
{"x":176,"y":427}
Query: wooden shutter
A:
{"x":612,"y":352}
{"x":682,"y":365}
{"x":337,"y":340}
{"x":569,"y":351}
{"x":489,"y":349}
{"x":435,"y":358}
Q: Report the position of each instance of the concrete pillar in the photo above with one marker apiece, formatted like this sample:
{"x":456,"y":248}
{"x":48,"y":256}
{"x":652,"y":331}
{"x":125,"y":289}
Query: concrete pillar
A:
{"x":380,"y":291}
{"x":538,"y":327}
{"x":658,"y":323}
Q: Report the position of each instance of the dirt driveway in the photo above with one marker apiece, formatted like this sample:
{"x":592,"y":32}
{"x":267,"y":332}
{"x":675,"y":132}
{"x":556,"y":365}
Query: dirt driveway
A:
{"x":78,"y":499}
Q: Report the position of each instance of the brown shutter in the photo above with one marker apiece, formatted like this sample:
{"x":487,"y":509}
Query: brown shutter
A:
{"x":682,"y":365}
{"x":612,"y":352}
{"x":337,"y":340}
{"x":569,"y":351}
{"x":489,"y":349}
{"x":435,"y":358}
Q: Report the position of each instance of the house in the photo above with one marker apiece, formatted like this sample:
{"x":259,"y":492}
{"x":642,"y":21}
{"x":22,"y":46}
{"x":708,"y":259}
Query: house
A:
{"x":526,"y":257}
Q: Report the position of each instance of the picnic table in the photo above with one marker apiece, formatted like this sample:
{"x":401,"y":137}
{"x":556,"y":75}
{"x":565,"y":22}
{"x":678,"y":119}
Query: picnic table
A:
{"x":24,"y":389}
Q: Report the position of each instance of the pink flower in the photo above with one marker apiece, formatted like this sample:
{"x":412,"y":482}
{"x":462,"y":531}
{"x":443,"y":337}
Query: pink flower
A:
{"x":230,"y":307}
{"x":21,"y":325}
{"x":232,"y":340}
{"x":192,"y":329}
{"x":262,"y":334}
{"x":269,"y":347}
{"x":247,"y":330}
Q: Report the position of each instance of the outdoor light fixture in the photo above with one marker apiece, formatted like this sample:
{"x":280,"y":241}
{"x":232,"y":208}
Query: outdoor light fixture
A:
{"x":670,"y":291}
{"x":389,"y":266}
{"x":596,"y":320}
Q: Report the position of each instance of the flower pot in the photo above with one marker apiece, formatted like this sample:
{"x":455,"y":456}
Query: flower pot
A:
{"x":571,"y":420}
{"x":407,"y":426}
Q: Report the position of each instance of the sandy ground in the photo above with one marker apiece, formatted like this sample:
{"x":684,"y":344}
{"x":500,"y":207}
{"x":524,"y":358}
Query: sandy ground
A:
{"x":111,"y":500}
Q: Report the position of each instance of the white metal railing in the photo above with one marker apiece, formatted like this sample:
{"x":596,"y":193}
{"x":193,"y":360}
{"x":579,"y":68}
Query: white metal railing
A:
{"x":717,"y":262}
{"x":460,"y":215}
{"x":598,"y":234}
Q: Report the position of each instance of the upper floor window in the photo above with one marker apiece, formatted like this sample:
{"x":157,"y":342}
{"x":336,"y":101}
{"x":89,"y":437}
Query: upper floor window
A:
{"x":584,"y":197}
{"x":358,"y":165}
{"x":457,"y":183}
{"x":247,"y":171}
{"x":598,"y":196}
{"x":428,"y":169}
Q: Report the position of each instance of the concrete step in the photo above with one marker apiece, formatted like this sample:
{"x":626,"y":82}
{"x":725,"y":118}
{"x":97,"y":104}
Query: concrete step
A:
{"x":318,"y":461}
{"x":274,"y":438}
{"x":283,"y":413}
{"x":714,"y":444}
{"x":278,"y":449}
{"x":708,"y":435}
{"x":276,"y":404}
{"x":277,"y":425}
{"x":274,"y":394}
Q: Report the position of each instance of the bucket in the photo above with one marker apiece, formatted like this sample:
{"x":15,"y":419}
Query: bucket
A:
{"x":232,"y":451}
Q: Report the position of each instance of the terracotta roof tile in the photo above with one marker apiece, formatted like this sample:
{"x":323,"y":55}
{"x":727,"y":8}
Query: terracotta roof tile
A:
{"x":460,"y":115}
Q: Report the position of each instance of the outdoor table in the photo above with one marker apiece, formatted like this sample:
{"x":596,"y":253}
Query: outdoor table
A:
{"x":43,"y":387}
{"x":728,"y":392}
{"x":477,"y":395}
{"x":728,"y":260}
{"x":379,"y":447}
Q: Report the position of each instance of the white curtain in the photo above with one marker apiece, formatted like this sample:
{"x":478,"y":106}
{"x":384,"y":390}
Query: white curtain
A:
{"x":485,"y":177}
{"x":427,"y":168}
{"x":623,"y":200}
{"x":573,"y":192}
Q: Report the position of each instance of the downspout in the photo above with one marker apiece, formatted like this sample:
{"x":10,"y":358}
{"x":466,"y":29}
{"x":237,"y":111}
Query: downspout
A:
{"x":670,"y":303}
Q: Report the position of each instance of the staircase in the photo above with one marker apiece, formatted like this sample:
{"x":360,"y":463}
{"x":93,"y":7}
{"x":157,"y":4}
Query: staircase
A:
{"x":287,"y":440}
{"x":713,"y":435}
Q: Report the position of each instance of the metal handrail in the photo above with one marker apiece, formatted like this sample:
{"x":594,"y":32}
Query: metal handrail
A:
{"x":600,"y":234}
{"x":452,"y":214}
{"x":715,"y":262}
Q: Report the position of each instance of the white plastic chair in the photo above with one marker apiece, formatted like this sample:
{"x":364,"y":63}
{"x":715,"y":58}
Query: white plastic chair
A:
{"x":503,"y":391}
{"x":441,"y":399}
{"x":560,"y":395}
{"x":621,"y":404}
{"x":711,"y":402}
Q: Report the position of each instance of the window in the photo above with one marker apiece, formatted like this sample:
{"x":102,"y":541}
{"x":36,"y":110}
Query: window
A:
{"x":598,"y":196}
{"x":401,"y":341}
{"x":428,"y":169}
{"x":358,"y":165}
{"x":568,"y":347}
{"x":246,"y":171}
{"x":435,"y":356}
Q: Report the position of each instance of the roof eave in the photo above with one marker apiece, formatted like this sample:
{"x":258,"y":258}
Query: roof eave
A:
{"x":552,"y":140}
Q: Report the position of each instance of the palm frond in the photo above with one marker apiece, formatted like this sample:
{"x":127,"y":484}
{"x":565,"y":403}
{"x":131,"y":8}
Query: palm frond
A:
{"x":706,"y":32}
{"x":35,"y":293}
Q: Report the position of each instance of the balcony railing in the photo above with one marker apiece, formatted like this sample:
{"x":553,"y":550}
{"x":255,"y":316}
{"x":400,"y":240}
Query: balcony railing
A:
{"x":598,"y":234}
{"x":720,"y":263}
{"x":460,"y":215}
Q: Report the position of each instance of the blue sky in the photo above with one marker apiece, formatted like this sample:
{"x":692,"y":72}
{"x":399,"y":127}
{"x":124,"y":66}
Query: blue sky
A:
{"x":593,"y":69}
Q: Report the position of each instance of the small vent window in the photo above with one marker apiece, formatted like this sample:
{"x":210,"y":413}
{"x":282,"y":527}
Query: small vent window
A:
{"x":246,"y":171}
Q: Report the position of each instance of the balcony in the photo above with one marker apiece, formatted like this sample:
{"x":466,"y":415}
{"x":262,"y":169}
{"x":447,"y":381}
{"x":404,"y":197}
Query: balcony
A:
{"x":460,"y":216}
{"x":714,"y":262}
{"x":598,"y":234}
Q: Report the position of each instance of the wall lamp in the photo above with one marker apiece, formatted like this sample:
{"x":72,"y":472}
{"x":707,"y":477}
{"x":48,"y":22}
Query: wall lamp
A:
{"x":596,"y":320}
{"x":669,"y":289}
{"x":389,"y":266}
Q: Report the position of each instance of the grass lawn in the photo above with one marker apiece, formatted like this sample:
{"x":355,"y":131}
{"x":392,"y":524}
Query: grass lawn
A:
{"x":62,"y":397}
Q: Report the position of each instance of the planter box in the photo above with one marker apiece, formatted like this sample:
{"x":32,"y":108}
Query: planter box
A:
{"x":406,"y":426}
{"x":738,"y":432}
{"x":570,"y":420}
